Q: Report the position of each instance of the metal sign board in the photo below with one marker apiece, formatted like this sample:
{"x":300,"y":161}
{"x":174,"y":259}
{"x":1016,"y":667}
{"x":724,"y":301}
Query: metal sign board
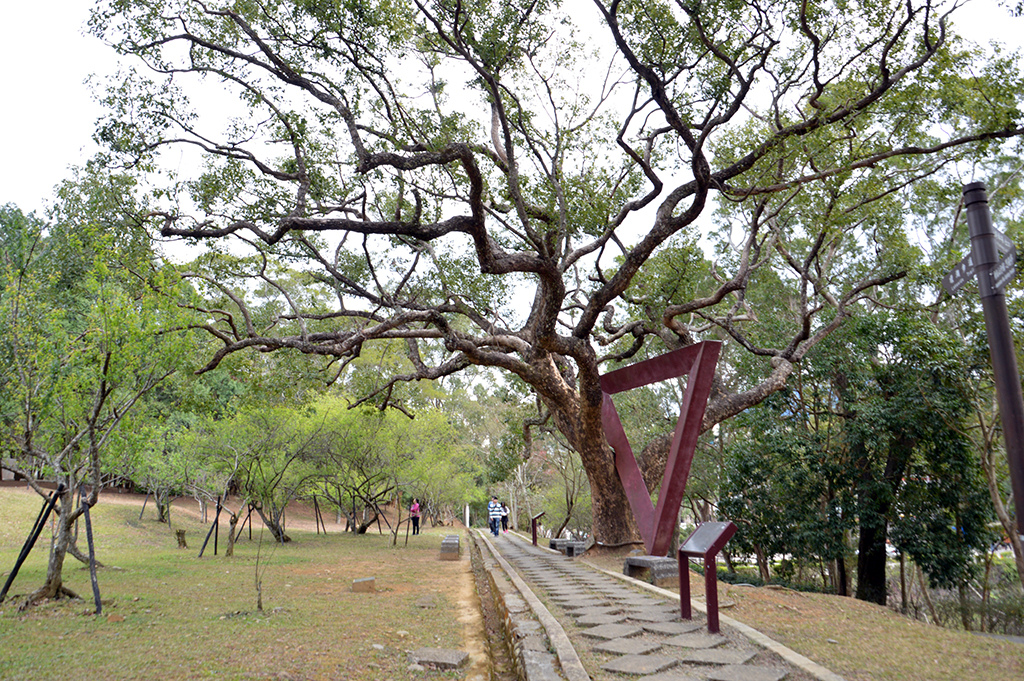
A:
{"x":708,"y":538}
{"x":959,"y":275}
{"x":1002,"y":273}
{"x":1004,"y":270}
{"x":1003,"y":243}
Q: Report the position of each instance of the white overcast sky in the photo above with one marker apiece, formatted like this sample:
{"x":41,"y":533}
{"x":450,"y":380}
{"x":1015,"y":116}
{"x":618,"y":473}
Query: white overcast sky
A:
{"x":47,"y":112}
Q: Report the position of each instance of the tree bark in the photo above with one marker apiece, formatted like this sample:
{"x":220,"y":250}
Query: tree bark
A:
{"x":272,"y":522}
{"x":232,"y":523}
{"x":53,"y":587}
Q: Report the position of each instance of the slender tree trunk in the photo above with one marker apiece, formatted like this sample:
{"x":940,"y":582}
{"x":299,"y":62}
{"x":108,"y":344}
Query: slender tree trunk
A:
{"x":986,"y":592}
{"x":926,"y":595}
{"x":965,"y":610}
{"x":903,"y":583}
{"x":762,"y":563}
{"x":163,"y":506}
{"x":53,"y":587}
{"x":1009,"y":527}
{"x":272,"y":521}
{"x":232,"y":523}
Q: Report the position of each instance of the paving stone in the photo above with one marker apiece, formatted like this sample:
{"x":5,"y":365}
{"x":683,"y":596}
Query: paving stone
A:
{"x":440,"y":658}
{"x":610,"y":631}
{"x":747,"y":672}
{"x":598,"y":584}
{"x":665,"y":606}
{"x":671,"y":628}
{"x":627,"y":646}
{"x":718,"y":656}
{"x":674,"y":674}
{"x":593,"y":620}
{"x":599,"y":610}
{"x":695,"y":640}
{"x":651,"y":615}
{"x":638,"y":601}
{"x":639,"y":664}
{"x":578,"y":601}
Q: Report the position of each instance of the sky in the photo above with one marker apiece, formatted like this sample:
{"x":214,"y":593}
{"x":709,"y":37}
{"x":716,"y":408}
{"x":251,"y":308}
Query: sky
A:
{"x":47,"y":112}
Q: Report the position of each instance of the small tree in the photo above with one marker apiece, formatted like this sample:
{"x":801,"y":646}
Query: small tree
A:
{"x":266,"y":453}
{"x":85,"y":338}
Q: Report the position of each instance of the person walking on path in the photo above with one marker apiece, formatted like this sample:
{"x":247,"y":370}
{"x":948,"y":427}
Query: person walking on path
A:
{"x":494,"y":514}
{"x":414,"y":513}
{"x":504,"y":517}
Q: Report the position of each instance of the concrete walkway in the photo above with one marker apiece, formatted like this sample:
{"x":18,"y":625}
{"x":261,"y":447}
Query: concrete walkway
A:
{"x":619,"y":626}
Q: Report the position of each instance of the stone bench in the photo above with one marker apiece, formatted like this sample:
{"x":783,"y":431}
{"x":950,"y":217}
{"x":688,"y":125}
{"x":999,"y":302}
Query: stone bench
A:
{"x":570,"y":547}
{"x":659,"y":571}
{"x":575,"y":548}
{"x":450,"y":547}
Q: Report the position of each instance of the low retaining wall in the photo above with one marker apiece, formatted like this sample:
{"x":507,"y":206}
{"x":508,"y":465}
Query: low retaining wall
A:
{"x":530,"y":646}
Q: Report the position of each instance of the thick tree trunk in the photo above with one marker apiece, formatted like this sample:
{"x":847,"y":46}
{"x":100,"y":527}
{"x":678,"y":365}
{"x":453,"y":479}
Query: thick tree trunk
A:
{"x":871,"y":559}
{"x":842,"y":578}
{"x":578,"y":417}
{"x":875,"y":503}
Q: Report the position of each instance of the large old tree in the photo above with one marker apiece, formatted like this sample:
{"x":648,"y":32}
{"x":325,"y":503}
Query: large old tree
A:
{"x":487,"y":183}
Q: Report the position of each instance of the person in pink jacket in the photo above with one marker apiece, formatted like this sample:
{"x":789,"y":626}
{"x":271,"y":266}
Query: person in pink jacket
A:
{"x":414,"y":513}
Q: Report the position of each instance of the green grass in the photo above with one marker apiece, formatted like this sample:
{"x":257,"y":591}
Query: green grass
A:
{"x":169,"y":614}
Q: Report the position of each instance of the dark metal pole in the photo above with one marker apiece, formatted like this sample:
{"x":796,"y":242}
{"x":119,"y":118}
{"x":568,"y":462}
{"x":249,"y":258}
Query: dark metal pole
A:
{"x":1000,"y":338}
{"x":37,"y":529}
{"x":318,"y":518}
{"x":711,"y":591}
{"x":533,"y":526}
{"x":216,"y":526}
{"x":685,"y":609}
{"x":92,"y":556}
{"x":213,"y":528}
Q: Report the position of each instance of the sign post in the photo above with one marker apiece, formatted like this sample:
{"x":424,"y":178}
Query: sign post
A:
{"x":993,"y":274}
{"x":705,"y":542}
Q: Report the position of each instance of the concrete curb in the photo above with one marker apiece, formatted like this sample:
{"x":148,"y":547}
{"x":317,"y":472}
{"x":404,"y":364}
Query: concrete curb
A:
{"x":530,"y":657}
{"x":788,"y":654}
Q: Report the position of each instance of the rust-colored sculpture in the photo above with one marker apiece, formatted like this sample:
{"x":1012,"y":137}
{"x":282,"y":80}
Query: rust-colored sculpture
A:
{"x":697,"y":362}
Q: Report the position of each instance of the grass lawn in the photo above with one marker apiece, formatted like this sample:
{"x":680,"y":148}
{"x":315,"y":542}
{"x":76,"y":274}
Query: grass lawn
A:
{"x":168,"y":614}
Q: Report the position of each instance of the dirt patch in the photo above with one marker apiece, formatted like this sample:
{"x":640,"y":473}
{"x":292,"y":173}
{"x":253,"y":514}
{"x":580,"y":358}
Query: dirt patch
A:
{"x":491,"y":624}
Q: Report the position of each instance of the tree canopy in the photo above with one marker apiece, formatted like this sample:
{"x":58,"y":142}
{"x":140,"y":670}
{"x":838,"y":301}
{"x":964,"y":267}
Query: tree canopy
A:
{"x":521,"y":184}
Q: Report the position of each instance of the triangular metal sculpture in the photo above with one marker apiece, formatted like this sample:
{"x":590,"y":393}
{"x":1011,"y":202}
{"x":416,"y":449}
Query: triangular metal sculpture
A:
{"x":696,"y":362}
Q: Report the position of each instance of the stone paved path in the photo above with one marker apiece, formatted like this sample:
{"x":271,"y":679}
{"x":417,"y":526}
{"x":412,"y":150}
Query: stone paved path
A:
{"x":618,"y":629}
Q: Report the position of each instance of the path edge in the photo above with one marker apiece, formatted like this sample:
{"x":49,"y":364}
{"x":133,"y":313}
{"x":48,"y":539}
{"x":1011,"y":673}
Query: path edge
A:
{"x":569,"y":662}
